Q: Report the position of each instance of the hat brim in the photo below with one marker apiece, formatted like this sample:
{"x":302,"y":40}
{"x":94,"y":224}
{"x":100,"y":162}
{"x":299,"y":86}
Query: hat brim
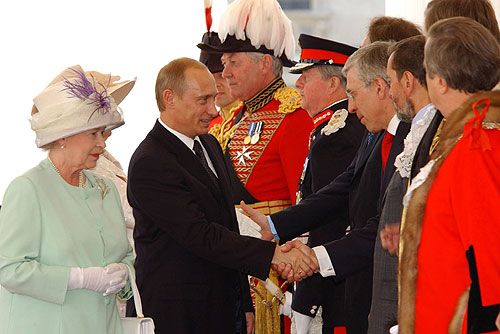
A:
{"x":300,"y":67}
{"x":233,"y":45}
{"x":118,"y":91}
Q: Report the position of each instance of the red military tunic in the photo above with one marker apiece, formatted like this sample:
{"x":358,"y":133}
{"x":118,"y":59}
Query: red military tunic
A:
{"x":270,"y":167}
{"x":462,"y":210}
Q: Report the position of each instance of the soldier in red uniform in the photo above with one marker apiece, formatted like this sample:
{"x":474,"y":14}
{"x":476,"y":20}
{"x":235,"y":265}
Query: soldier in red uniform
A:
{"x":269,"y":145}
{"x":270,"y":141}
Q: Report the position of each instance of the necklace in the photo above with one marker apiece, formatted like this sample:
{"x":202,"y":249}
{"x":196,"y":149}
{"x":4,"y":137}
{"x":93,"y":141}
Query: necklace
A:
{"x":81,"y":177}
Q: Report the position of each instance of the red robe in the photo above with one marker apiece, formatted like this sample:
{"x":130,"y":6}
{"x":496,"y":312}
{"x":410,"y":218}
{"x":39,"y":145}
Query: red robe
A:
{"x":463,"y":209}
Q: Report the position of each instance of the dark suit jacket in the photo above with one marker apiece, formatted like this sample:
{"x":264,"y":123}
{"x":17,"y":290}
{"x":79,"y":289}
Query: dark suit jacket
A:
{"x":190,"y":255}
{"x":329,"y":156}
{"x":357,"y":189}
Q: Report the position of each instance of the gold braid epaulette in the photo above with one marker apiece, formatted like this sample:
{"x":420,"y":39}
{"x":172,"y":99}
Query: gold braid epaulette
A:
{"x":289,"y":98}
{"x":224,"y":131}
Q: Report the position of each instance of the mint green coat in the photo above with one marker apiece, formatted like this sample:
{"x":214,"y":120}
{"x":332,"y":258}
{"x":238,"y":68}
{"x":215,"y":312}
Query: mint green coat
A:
{"x":46,"y":227}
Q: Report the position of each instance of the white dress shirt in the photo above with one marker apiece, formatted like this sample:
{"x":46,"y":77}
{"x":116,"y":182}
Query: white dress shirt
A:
{"x":189,"y":142}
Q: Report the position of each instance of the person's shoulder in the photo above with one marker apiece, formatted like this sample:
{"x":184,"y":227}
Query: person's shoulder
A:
{"x":29,"y":181}
{"x":289,"y":100}
{"x":37,"y":172}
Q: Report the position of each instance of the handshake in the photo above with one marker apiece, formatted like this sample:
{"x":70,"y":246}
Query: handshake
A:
{"x":293,"y":261}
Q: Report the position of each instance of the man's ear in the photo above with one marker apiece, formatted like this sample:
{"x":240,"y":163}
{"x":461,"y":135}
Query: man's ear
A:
{"x":267,"y":63}
{"x":335,"y":83}
{"x":168,"y":98}
{"x":382,"y":88}
{"x":442,"y":85}
{"x":408,"y":82}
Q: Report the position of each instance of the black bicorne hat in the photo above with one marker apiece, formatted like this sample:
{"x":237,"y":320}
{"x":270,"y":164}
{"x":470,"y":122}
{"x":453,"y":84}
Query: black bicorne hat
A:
{"x":211,"y":59}
{"x":233,"y":45}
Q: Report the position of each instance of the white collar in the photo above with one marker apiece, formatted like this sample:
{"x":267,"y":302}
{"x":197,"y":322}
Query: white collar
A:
{"x":393,"y":125}
{"x":188,"y":141}
{"x":420,"y":114}
{"x":338,"y":101}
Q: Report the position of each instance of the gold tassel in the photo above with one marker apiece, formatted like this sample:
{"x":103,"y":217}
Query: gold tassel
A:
{"x":267,"y":318}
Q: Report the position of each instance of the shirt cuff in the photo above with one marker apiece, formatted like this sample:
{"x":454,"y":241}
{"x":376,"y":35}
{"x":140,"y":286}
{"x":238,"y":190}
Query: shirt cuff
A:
{"x":325,"y":264}
{"x":273,"y":228}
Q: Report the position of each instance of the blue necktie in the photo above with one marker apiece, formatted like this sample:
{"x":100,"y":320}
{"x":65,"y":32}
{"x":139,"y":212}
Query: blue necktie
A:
{"x":369,"y":138}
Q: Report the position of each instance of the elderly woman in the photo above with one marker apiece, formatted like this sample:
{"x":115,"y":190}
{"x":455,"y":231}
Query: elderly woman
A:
{"x":64,"y":254}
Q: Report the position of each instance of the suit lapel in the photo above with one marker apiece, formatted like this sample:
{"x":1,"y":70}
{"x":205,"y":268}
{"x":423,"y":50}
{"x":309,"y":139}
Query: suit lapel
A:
{"x":189,"y":160}
{"x":219,"y":163}
{"x":368,"y":150}
{"x":422,"y":153}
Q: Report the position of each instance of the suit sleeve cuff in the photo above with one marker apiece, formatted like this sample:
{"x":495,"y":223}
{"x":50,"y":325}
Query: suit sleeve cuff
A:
{"x":273,"y":228}
{"x":325,"y":264}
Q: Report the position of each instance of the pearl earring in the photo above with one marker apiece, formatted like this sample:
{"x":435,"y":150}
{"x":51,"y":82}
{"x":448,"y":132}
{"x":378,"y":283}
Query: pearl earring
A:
{"x":62,"y":146}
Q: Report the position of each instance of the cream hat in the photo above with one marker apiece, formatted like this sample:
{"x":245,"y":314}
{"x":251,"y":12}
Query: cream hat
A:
{"x":77,"y":101}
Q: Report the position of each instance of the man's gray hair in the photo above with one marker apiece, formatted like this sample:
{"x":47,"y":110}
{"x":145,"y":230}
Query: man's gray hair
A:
{"x":370,"y":61}
{"x":329,"y":71}
{"x":277,"y":67}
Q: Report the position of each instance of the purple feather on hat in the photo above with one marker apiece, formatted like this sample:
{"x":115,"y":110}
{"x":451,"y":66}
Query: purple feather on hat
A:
{"x":83,"y":89}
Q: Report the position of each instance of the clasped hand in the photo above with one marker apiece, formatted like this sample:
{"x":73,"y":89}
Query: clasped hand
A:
{"x":106,"y":280}
{"x":293,"y":260}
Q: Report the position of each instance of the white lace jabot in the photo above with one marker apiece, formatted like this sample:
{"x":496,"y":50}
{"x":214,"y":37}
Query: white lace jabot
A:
{"x":419,"y":125}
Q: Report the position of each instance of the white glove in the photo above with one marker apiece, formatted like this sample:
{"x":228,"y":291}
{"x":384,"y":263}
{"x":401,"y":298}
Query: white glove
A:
{"x":106,"y":280}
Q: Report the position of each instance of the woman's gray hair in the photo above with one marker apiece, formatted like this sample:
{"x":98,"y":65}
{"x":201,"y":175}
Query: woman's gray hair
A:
{"x":370,"y":61}
{"x":277,"y":67}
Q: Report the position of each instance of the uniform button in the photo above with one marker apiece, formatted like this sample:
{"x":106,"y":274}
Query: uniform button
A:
{"x":314,"y":307}
{"x":100,"y":228}
{"x":312,"y":311}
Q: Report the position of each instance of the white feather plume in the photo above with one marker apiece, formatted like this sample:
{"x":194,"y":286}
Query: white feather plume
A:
{"x":265,"y":22}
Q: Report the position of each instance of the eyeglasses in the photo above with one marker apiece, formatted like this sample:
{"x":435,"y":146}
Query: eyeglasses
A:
{"x":351,"y":93}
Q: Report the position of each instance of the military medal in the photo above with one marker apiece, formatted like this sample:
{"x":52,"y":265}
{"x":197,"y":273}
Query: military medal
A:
{"x":256,"y":135}
{"x":248,"y":138}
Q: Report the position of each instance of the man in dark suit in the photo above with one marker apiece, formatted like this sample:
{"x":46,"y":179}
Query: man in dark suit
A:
{"x":408,"y":91}
{"x":356,"y":191}
{"x":333,"y":144}
{"x":190,"y":256}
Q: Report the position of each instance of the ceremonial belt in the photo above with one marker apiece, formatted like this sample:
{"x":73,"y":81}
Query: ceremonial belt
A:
{"x":270,"y":207}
